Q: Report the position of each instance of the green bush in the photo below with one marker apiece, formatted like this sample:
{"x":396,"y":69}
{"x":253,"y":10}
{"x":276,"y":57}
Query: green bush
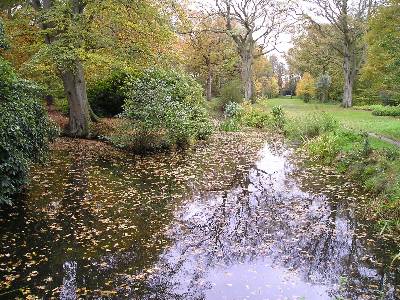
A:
{"x":368,"y":107}
{"x":231,"y":125}
{"x":25,"y":131}
{"x":256,"y":118}
{"x":366,"y":97}
{"x":278,"y":116}
{"x":378,"y":170}
{"x":3,"y":41}
{"x":324,"y":147}
{"x":233,"y":109}
{"x":244,"y":115}
{"x":107,"y":97}
{"x":231,"y":92}
{"x":328,"y":145}
{"x":393,"y":111}
{"x":167,"y":104}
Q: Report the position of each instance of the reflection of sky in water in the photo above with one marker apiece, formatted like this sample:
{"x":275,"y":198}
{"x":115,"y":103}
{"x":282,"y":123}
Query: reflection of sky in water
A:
{"x":130,"y":228}
{"x":270,"y":173}
{"x":265,"y":239}
{"x":260,"y":279}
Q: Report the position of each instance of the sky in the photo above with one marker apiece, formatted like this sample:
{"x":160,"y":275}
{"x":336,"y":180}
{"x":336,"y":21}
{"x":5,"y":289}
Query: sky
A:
{"x":284,"y":40}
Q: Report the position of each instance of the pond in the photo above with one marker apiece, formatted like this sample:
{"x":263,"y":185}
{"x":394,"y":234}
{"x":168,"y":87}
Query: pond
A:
{"x":240,"y":217}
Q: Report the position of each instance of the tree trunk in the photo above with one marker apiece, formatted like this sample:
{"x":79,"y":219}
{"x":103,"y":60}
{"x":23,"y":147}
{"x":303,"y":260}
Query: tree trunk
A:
{"x":324,"y":96}
{"x":349,"y":72}
{"x":209,"y":84}
{"x":247,"y":72}
{"x":75,"y":89}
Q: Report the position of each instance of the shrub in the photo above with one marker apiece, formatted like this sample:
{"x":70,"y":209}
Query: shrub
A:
{"x":62,"y":105}
{"x":232,"y":92}
{"x":107,"y":97}
{"x":329,"y":144}
{"x":368,"y":107}
{"x":244,"y":115}
{"x":324,"y":147}
{"x":166,"y":104}
{"x":25,"y":131}
{"x":3,"y":41}
{"x":257,"y":119}
{"x":278,"y":117}
{"x":378,"y":170}
{"x":393,"y":111}
{"x":231,"y":125}
{"x":252,"y":116}
{"x":233,"y":109}
{"x":365,"y":97}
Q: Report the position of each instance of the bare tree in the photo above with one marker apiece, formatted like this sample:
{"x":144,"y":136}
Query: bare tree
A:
{"x":278,"y":70}
{"x":349,"y":24}
{"x":255,"y":26}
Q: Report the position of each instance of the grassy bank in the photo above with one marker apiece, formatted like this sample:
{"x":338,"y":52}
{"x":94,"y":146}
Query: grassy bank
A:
{"x":337,"y":137}
{"x":357,"y":120}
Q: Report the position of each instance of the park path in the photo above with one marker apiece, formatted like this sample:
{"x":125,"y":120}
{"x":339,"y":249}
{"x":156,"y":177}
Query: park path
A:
{"x":386,"y":139}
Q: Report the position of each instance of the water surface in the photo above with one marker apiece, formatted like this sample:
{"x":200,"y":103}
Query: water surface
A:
{"x":237,"y":218}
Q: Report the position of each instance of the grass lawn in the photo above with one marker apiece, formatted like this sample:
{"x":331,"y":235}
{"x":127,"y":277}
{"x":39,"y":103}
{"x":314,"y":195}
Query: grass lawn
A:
{"x":350,"y":118}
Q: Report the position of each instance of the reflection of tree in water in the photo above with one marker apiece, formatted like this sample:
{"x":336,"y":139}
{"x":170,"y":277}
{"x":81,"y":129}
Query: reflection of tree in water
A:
{"x":83,"y":214}
{"x":312,"y":234}
{"x":89,"y":204}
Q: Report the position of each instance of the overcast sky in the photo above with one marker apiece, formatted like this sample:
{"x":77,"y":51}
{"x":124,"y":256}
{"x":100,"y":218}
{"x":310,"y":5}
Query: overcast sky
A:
{"x":285,"y":39}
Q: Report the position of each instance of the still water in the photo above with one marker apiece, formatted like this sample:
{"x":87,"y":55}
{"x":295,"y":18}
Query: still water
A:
{"x":241,"y":217}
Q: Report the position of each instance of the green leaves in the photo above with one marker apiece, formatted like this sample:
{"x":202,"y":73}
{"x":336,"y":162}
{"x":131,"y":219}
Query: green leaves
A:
{"x":25,"y":131}
{"x":3,"y":41}
{"x":168,"y":105}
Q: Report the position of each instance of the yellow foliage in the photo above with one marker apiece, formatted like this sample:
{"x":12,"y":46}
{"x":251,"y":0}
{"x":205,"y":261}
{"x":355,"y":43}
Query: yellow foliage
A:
{"x":267,"y":86}
{"x":306,"y":87}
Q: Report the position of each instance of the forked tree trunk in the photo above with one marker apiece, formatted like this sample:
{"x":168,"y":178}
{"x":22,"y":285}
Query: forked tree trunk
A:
{"x":75,"y":89}
{"x":247,"y":72}
{"x":209,"y":84}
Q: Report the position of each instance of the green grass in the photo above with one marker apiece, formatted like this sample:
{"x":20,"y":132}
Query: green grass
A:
{"x":357,"y":120}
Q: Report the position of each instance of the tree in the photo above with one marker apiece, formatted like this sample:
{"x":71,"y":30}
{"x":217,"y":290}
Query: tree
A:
{"x":266,"y":83}
{"x":253,"y":25}
{"x":278,"y":70}
{"x":92,"y":35}
{"x":312,"y":53}
{"x":348,"y":20}
{"x":323,"y":84}
{"x":208,"y":52}
{"x":381,"y":73}
{"x":306,"y":87}
{"x":62,"y":23}
{"x":268,"y":87}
